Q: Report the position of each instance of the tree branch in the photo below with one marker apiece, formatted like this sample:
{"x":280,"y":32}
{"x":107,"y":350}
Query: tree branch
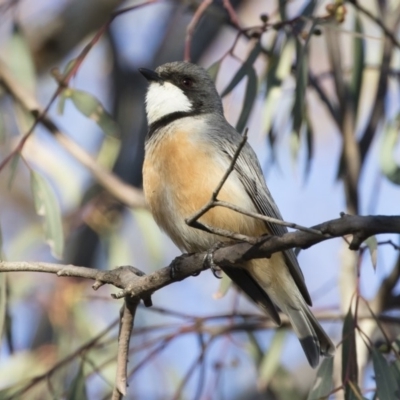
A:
{"x":135,"y":284}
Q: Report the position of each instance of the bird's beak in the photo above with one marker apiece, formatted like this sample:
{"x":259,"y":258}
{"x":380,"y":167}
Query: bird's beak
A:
{"x":150,"y":75}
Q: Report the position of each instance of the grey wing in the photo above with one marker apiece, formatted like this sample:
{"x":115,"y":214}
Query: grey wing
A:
{"x":251,"y":176}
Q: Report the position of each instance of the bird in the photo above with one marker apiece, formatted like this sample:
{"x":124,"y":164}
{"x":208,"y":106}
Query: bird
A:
{"x":188,"y":149}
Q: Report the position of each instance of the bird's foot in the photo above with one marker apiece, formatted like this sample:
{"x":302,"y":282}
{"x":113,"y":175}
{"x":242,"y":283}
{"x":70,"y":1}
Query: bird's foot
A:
{"x":208,"y":261}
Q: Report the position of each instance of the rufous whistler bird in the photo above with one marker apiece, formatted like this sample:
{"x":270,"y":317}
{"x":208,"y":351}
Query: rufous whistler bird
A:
{"x":189,"y":147}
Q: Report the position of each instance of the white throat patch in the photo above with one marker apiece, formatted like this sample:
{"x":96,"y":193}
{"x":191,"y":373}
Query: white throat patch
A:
{"x":164,"y":99}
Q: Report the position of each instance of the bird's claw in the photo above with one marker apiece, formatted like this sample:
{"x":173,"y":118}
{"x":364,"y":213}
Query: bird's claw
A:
{"x":209,"y":261}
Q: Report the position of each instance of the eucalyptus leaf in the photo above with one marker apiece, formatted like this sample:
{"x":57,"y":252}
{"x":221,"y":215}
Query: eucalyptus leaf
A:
{"x":388,"y":164}
{"x":19,"y":60}
{"x":272,"y":359}
{"x":214,"y":69}
{"x":299,"y":105}
{"x":13,"y":169}
{"x":324,"y":381}
{"x":249,"y":98}
{"x":89,"y":106}
{"x":3,"y":303}
{"x":47,"y":206}
{"x":388,"y":386}
{"x":244,"y":69}
{"x":309,"y":147}
{"x":279,"y":68}
{"x":358,"y":63}
{"x":78,"y":386}
{"x":349,"y":358}
{"x":372,"y":244}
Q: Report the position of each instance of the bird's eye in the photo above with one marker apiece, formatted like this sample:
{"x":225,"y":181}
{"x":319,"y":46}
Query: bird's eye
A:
{"x":187,"y":82}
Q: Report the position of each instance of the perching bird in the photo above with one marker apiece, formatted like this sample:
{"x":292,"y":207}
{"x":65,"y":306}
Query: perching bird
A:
{"x":189,"y":147}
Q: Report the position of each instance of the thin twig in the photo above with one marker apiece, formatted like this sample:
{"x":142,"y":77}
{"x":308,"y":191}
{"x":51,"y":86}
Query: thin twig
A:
{"x":192,"y":25}
{"x":215,"y":193}
{"x":232,"y":13}
{"x":265,"y":218}
{"x":127,"y":318}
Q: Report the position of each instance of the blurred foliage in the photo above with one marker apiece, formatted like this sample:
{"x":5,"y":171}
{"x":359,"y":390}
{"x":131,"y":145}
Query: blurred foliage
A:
{"x":51,"y":345}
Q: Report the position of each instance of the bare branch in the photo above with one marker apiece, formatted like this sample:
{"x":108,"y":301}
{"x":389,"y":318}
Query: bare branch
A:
{"x":192,"y":25}
{"x":135,"y":284}
{"x":128,"y":312}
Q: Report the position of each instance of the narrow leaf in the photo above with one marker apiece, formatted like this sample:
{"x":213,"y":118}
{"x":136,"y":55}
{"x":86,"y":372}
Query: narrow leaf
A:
{"x":298,"y":110}
{"x":244,"y":69}
{"x":279,"y":68}
{"x":349,"y":357}
{"x":89,"y":106}
{"x":358,"y":64}
{"x":254,"y":348}
{"x":19,"y":60}
{"x":395,"y":367}
{"x":271,"y":360}
{"x":68,"y":68}
{"x":13,"y":168}
{"x":388,"y":164}
{"x":387,"y":385}
{"x":224,"y":286}
{"x":214,"y":69}
{"x":2,"y":128}
{"x":249,"y":98}
{"x":324,"y":381}
{"x":78,"y":386}
{"x":47,"y":206}
{"x":372,"y":244}
{"x":61,"y":102}
{"x":309,"y":147}
{"x":3,"y":291}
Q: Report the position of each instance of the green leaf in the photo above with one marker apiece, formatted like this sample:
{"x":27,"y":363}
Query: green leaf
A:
{"x":389,"y":167}
{"x":254,"y":348}
{"x":299,"y":105}
{"x":68,"y":68}
{"x":13,"y":169}
{"x":61,"y":101}
{"x":372,"y":244}
{"x":3,"y":291}
{"x":214,"y":69}
{"x":244,"y":69}
{"x":324,"y":381}
{"x":309,"y":147}
{"x":3,"y":303}
{"x":224,"y":286}
{"x":387,"y":385}
{"x":279,"y":67}
{"x":271,"y":360}
{"x":19,"y":60}
{"x":78,"y":389}
{"x":395,"y":367}
{"x":249,"y":98}
{"x":89,"y":106}
{"x":349,"y":357}
{"x":358,"y":64}
{"x":47,"y":206}
{"x":2,"y":129}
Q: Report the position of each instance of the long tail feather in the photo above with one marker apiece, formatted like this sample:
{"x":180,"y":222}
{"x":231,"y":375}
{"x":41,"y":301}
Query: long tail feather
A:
{"x":312,"y":337}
